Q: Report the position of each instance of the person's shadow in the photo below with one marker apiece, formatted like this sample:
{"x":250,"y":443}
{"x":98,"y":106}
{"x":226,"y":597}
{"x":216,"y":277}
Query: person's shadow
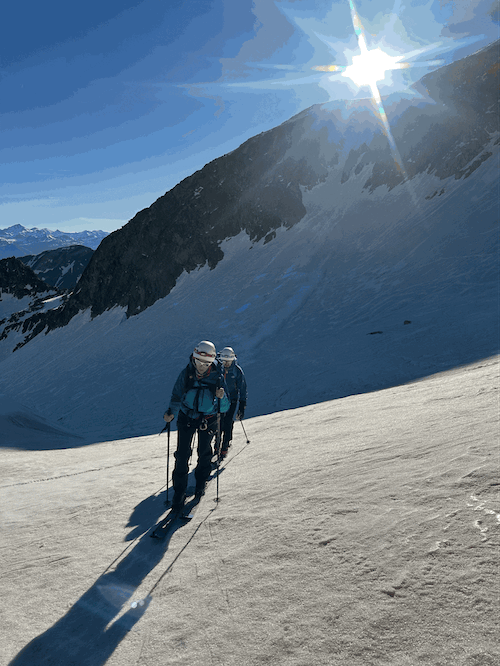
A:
{"x":95,"y":625}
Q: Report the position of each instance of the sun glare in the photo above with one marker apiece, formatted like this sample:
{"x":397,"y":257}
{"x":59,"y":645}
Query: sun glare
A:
{"x":370,"y":67}
{"x":365,"y":71}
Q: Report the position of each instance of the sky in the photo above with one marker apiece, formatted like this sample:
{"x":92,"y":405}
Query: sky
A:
{"x":106,"y":106}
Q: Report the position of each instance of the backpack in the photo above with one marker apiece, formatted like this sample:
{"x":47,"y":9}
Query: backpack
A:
{"x":195,"y":397}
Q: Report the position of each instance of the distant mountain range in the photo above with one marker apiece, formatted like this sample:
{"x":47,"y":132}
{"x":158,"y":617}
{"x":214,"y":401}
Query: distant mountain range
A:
{"x":17,"y":241}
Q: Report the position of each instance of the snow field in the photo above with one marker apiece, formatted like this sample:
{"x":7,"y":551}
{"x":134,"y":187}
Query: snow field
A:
{"x":357,"y":531}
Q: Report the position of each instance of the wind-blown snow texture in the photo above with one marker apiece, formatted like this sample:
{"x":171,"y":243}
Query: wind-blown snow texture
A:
{"x":358,"y":532}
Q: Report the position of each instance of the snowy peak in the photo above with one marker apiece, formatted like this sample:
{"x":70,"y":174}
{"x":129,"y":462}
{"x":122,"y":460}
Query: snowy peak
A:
{"x":14,"y":230}
{"x":16,"y":241}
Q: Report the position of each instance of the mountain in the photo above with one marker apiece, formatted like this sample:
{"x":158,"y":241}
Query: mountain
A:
{"x":332,"y":153}
{"x":16,"y":241}
{"x":19,"y":280}
{"x":335,"y":260}
{"x":35,"y":284}
{"x":22,"y":293}
{"x":60,"y":268}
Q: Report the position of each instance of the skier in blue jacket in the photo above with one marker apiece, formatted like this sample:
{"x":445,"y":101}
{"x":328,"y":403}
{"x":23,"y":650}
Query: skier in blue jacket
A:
{"x":237,"y":387}
{"x":197,"y":394}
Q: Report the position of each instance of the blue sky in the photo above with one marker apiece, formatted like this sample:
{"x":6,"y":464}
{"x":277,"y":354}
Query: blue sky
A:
{"x":104,"y":106}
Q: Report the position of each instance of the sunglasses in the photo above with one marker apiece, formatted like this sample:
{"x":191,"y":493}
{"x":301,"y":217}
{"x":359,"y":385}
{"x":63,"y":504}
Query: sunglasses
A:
{"x":203,"y":362}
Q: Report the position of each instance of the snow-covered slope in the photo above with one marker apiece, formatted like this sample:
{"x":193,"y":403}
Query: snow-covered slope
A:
{"x":23,"y":428}
{"x":357,"y":532}
{"x":13,"y":331}
{"x":316,"y":314}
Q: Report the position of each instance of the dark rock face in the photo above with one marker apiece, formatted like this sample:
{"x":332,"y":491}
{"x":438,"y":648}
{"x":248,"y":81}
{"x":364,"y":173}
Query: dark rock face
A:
{"x":258,"y":187}
{"x":60,"y":268}
{"x":253,"y":189}
{"x":20,"y":280}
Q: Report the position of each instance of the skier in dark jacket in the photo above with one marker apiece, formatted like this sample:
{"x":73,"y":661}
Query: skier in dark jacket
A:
{"x":196,"y":395}
{"x":237,"y":387}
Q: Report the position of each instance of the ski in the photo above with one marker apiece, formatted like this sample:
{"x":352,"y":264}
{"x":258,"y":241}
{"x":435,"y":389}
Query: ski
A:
{"x":184,"y":513}
{"x":163,"y":527}
{"x":190,"y":508}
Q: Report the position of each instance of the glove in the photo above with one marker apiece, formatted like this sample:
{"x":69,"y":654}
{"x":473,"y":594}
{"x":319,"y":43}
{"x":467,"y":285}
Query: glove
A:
{"x":241,"y":411}
{"x":168,"y":416}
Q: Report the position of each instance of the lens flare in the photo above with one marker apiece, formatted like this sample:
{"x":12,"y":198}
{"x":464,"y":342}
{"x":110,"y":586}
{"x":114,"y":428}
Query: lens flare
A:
{"x":366,"y":70}
{"x":371,"y":66}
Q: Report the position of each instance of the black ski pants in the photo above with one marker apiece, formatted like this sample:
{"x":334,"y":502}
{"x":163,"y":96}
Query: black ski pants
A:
{"x":227,"y":422}
{"x":186,"y":429}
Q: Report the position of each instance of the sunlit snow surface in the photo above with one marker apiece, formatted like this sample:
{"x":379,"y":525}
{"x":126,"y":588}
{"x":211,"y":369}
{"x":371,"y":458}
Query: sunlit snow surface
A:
{"x":317,"y":313}
{"x":354,"y":532}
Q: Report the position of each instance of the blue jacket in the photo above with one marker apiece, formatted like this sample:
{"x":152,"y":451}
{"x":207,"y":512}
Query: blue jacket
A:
{"x":196,"y":397}
{"x":236,"y":383}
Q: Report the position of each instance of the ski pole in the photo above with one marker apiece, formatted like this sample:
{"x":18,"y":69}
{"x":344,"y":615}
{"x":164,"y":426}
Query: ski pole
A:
{"x":168,"y":458}
{"x":248,"y":441}
{"x":217,"y":436}
{"x":217,"y":446}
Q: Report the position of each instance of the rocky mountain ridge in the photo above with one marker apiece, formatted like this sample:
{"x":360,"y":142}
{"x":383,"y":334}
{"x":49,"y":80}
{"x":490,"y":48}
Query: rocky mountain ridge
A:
{"x":35,"y":284}
{"x":22,"y":295}
{"x":20,"y":280}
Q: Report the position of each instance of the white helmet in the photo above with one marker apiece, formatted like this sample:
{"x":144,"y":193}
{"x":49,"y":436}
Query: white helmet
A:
{"x":205,"y":352}
{"x":227,"y":354}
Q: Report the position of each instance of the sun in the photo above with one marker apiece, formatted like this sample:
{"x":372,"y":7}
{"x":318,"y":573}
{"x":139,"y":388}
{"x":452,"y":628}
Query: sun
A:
{"x":371,"y":66}
{"x":365,"y":71}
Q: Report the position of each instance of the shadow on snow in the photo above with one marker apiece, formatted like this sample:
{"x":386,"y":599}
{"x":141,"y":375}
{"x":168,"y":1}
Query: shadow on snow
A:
{"x":95,"y":625}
